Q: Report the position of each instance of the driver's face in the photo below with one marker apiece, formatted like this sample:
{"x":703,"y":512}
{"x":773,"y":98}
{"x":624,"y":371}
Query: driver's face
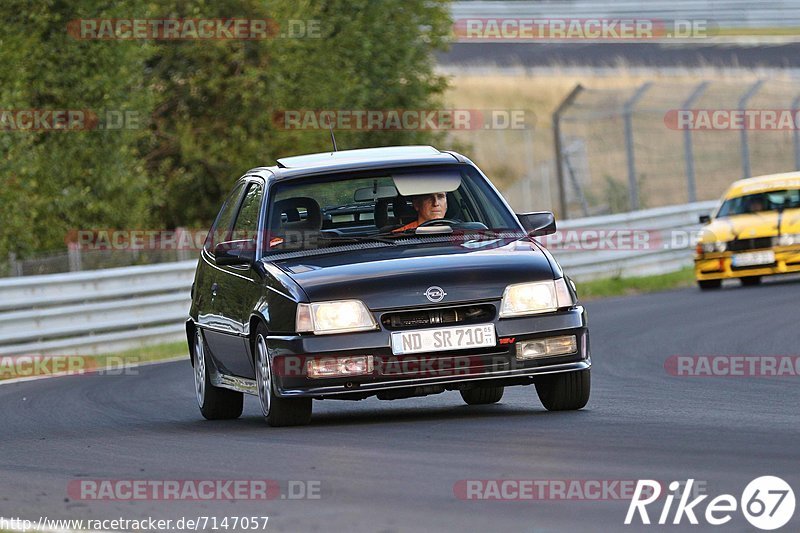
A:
{"x":431,"y":206}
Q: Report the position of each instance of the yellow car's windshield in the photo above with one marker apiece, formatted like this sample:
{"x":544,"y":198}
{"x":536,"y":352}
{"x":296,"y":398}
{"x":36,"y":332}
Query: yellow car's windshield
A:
{"x":759,"y":202}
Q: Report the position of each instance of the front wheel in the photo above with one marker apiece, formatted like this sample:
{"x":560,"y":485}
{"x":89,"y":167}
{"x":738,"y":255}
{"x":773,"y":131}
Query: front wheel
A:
{"x":566,"y":391}
{"x":276,"y":410}
{"x":215,"y":403}
{"x":482,"y":395}
{"x":709,"y":284}
{"x":750,"y":281}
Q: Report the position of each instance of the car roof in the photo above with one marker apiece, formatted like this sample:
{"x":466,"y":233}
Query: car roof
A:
{"x":770,"y":182}
{"x":360,"y":159}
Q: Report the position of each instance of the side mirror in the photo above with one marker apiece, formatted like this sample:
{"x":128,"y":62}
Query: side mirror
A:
{"x":705,"y":219}
{"x":538,"y":223}
{"x":232,"y":253}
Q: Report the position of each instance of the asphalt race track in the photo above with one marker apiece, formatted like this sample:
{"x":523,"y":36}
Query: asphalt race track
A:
{"x":392,"y":466}
{"x":761,"y":55}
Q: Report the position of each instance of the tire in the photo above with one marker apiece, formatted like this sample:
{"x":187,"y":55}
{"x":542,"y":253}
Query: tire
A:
{"x":482,"y":395}
{"x":277,"y":411}
{"x":709,"y":284}
{"x":750,"y":281}
{"x":215,"y":403}
{"x":567,"y":391}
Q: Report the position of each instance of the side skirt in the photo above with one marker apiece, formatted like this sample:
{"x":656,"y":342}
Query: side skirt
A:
{"x":247,"y":386}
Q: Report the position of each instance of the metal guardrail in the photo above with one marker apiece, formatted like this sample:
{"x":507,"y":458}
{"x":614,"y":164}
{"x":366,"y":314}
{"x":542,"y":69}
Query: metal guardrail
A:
{"x":94,"y":312}
{"x":668,"y":233}
{"x":102,"y":311}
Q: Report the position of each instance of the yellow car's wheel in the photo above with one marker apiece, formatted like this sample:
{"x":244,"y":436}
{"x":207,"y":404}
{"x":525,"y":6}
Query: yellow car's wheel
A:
{"x":709,"y":284}
{"x":750,"y":281}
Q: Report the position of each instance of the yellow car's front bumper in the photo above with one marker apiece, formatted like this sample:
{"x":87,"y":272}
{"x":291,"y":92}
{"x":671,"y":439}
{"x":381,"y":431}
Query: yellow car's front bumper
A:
{"x":718,"y":265}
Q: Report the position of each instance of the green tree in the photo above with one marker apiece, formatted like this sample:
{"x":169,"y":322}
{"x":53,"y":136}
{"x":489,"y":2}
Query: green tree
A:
{"x":217,"y":99}
{"x":56,"y":181}
{"x":206,"y":108}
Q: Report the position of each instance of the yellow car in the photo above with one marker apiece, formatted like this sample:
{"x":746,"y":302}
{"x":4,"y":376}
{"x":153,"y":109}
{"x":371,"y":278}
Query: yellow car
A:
{"x":754,"y":232}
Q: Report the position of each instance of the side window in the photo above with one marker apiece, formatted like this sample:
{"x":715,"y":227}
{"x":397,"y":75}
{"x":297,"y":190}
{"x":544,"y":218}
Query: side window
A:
{"x":246,"y":225}
{"x":220,"y":231}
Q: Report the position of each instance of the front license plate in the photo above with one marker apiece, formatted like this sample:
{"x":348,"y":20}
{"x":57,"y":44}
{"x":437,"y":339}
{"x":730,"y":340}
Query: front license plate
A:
{"x":753,"y":258}
{"x":443,"y":339}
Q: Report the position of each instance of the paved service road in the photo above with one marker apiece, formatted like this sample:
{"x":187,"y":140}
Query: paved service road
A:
{"x":392,"y":466}
{"x":762,"y":55}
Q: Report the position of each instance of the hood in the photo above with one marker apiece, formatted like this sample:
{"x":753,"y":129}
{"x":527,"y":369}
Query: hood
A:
{"x":396,"y":277}
{"x":752,"y":225}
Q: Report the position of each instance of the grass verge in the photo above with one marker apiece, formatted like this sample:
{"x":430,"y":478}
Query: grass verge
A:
{"x":604,"y":288}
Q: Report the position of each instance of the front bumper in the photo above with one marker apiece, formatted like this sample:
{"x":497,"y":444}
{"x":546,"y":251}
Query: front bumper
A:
{"x":718,"y":265}
{"x":427,"y":371}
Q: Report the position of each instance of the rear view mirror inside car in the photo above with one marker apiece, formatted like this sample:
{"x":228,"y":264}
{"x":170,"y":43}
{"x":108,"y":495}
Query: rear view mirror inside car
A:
{"x":365,"y":194}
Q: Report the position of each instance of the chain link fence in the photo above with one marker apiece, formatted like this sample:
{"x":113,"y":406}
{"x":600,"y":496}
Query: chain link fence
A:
{"x":653,"y":145}
{"x":75,"y":259}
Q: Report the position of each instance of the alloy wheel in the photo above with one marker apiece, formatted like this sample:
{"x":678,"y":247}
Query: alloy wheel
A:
{"x":264,"y":377}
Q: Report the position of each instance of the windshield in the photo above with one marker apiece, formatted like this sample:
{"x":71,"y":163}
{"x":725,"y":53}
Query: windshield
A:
{"x":757,"y":203}
{"x":383,"y":206}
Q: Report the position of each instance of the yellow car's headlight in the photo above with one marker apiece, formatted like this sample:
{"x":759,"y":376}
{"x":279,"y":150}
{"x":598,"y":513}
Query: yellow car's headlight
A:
{"x":533,"y":298}
{"x":711,"y":247}
{"x":341,"y":316}
{"x":789,"y":239}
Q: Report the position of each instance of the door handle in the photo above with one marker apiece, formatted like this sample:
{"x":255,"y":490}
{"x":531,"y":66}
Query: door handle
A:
{"x":214,"y":288}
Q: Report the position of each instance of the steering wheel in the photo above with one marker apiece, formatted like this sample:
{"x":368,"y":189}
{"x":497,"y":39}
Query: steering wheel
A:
{"x":439,"y":222}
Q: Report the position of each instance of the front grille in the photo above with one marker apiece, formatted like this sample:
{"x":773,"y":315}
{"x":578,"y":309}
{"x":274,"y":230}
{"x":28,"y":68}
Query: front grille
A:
{"x":444,"y":316}
{"x":752,"y":267}
{"x":741,"y":245}
{"x":472,"y":363}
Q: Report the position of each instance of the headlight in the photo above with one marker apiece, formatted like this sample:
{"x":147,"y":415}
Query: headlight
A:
{"x":342,"y":316}
{"x":532,"y":298}
{"x":789,"y":239}
{"x":710,"y":247}
{"x":332,"y":367}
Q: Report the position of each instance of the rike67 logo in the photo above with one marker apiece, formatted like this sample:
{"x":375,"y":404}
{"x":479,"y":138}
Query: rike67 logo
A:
{"x":767,"y":503}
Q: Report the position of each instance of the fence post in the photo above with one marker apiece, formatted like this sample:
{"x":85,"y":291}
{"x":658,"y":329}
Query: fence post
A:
{"x":633,"y":186}
{"x":688,"y":152}
{"x":527,"y":201}
{"x":181,"y":238}
{"x":562,"y":191}
{"x":745,"y":146}
{"x":14,"y":266}
{"x":796,"y":133}
{"x":74,"y":254}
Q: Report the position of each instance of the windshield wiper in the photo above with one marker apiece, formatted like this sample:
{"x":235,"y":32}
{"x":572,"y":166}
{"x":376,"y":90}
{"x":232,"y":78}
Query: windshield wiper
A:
{"x":501,"y":233}
{"x":359,"y":238}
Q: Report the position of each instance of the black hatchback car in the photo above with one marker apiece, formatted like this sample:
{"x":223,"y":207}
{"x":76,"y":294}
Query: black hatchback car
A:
{"x":322,"y":279}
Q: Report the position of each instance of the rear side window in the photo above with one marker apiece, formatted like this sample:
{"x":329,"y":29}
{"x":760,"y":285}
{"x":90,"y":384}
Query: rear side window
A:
{"x":221,"y":230}
{"x":246,"y":225}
